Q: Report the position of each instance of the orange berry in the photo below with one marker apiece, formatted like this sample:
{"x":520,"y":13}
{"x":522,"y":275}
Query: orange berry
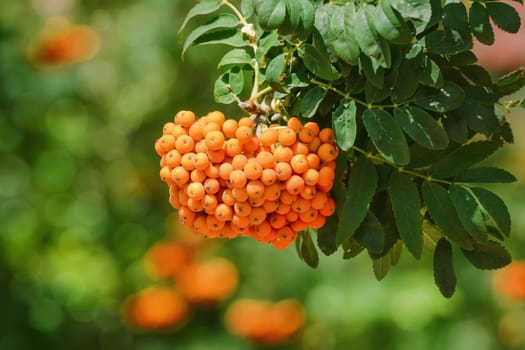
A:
{"x":232,"y":147}
{"x":227,"y":197}
{"x":241,"y":221}
{"x":301,"y":205}
{"x":239,"y":161}
{"x":311,"y":177}
{"x":197,"y":175}
{"x":277,"y":220}
{"x":318,"y":222}
{"x":209,"y":202}
{"x":225,"y":169}
{"x":291,"y":216}
{"x":165,"y":174}
{"x":326,"y":176}
{"x":196,"y":131}
{"x":188,"y":161}
{"x":180,"y":176}
{"x":214,"y":140}
{"x":213,"y":223}
{"x":314,"y":145}
{"x":294,"y":124}
{"x":280,"y":243}
{"x":167,"y":128}
{"x":295,"y":184}
{"x":299,"y":163}
{"x":201,"y":161}
{"x":272,"y":192}
{"x":327,"y":135}
{"x":252,"y":144}
{"x":283,"y":171}
{"x":270,"y":205}
{"x":212,"y":171}
{"x":287,"y":197}
{"x":287,"y":136}
{"x":309,"y":215}
{"x":257,"y":216}
{"x":199,"y":225}
{"x":255,"y":189}
{"x":308,"y":192}
{"x":196,"y":190}
{"x":186,"y":216}
{"x":266,"y":159}
{"x":327,"y":152}
{"x":195,"y":205}
{"x":184,"y":144}
{"x":313,"y":126}
{"x":223,"y":212}
{"x":263,"y":229}
{"x":229,"y":128}
{"x":319,"y":200}
{"x":240,"y":194}
{"x":166,"y":143}
{"x":216,"y":156}
{"x":306,"y":135}
{"x":178,"y":131}
{"x":184,"y":118}
{"x":269,"y":137}
{"x":238,"y":178}
{"x":174,"y":200}
{"x":256,"y":202}
{"x":313,"y":160}
{"x":300,"y":148}
{"x":183,"y":197}
{"x":329,"y":208}
{"x":173,"y":158}
{"x":253,"y":170}
{"x":209,"y":127}
{"x":268,"y":176}
{"x":283,"y":154}
{"x":299,"y":225}
{"x":244,"y":133}
{"x":200,"y":147}
{"x":246,"y":121}
{"x":211,"y":186}
{"x":216,"y":117}
{"x":283,"y":209}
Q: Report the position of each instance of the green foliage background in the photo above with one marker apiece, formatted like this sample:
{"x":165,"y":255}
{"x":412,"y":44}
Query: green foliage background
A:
{"x":81,"y":201}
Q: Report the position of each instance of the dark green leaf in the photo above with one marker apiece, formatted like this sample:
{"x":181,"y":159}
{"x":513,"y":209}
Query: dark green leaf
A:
{"x":351,"y":249}
{"x":431,"y":73}
{"x":463,"y":59}
{"x":406,"y":87}
{"x":494,"y":209}
{"x":326,"y":235}
{"x":469,"y":212}
{"x":374,"y":77}
{"x":371,"y":234}
{"x":390,"y":25}
{"x":271,"y":13}
{"x":448,"y":41}
{"x":479,"y":22}
{"x":387,"y":136}
{"x":444,"y":214}
{"x":362,"y":184}
{"x":420,"y":11}
{"x":266,"y":43}
{"x":344,"y":124}
{"x":230,"y":37}
{"x":371,"y":44}
{"x":456,"y":126}
{"x":318,"y":63}
{"x":202,"y":8}
{"x":511,"y":83}
{"x":477,"y":74}
{"x":488,"y":256}
{"x":463,"y":158}
{"x":447,"y":98}
{"x":274,"y":71}
{"x":344,"y":44}
{"x":406,"y":205}
{"x":308,"y":251}
{"x":421,"y":127}
{"x":224,"y":20}
{"x":235,"y":57}
{"x":485,"y":175}
{"x":504,"y":16}
{"x":444,"y":274}
{"x":381,"y":266}
{"x":311,"y":101}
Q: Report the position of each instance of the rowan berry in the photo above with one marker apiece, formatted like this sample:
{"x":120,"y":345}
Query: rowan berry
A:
{"x":184,"y":118}
{"x":214,"y":140}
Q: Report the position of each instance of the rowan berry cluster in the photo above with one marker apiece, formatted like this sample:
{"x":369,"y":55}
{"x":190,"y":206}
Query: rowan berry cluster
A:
{"x":227,"y":181}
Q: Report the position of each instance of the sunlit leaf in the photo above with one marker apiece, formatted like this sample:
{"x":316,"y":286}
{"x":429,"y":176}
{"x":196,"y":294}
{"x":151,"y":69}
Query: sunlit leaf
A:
{"x":447,"y":98}
{"x":344,"y":124}
{"x":235,"y":57}
{"x":224,"y":20}
{"x":202,"y":8}
{"x":469,"y":212}
{"x":421,"y":127}
{"x":311,"y":101}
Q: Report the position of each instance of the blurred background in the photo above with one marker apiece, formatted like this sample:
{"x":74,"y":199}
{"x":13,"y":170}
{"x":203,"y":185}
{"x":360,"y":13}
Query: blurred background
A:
{"x":91,"y":256}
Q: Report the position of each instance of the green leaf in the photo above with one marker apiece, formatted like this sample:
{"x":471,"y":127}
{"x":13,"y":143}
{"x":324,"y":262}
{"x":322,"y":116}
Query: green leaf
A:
{"x":308,"y":251}
{"x":444,"y":214}
{"x":504,"y":16}
{"x":274,"y":71}
{"x":469,"y":212}
{"x":270,"y":13}
{"x":387,"y":136}
{"x":371,"y":234}
{"x":488,"y":256}
{"x":444,"y":274}
{"x":448,"y":42}
{"x":456,"y":127}
{"x":307,"y":20}
{"x":311,"y":101}
{"x":224,"y":20}
{"x":202,"y":8}
{"x":421,"y":127}
{"x":318,"y":63}
{"x":375,"y":77}
{"x":485,"y":175}
{"x":390,"y":25}
{"x":406,"y":87}
{"x":395,"y":252}
{"x":446,"y":98}
{"x":511,"y":82}
{"x":477,"y":74}
{"x":479,"y":23}
{"x":381,"y":266}
{"x":235,"y":57}
{"x":228,"y":86}
{"x":494,"y":209}
{"x":463,"y":158}
{"x":230,"y":37}
{"x":326,"y":235}
{"x":248,"y":8}
{"x":351,"y":249}
{"x":344,"y":44}
{"x":406,"y":205}
{"x":362,"y":184}
{"x":344,"y":124}
{"x":431,"y":74}
{"x":420,"y":11}
{"x":371,"y":44}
